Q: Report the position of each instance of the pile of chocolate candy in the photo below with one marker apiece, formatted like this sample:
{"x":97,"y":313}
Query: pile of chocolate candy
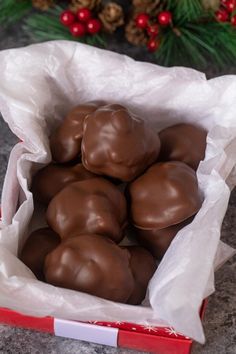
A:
{"x":130,"y":176}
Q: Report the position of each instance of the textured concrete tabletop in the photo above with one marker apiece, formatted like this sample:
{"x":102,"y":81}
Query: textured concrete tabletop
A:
{"x":220,"y":318}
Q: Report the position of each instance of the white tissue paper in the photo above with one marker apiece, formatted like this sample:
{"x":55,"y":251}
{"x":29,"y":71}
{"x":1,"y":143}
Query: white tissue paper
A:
{"x":39,"y":84}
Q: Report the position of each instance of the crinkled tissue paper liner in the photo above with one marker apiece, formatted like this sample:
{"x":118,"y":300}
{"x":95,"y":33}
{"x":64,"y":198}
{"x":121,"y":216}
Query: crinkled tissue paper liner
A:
{"x":39,"y":84}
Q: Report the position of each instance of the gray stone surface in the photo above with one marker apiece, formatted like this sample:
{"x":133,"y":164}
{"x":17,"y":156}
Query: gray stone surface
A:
{"x":220,"y":318}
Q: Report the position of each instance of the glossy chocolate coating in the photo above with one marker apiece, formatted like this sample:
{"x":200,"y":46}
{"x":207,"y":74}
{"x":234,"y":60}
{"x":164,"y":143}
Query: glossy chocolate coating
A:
{"x":37,"y":246}
{"x":92,"y":264}
{"x":65,"y":142}
{"x":53,"y":178}
{"x":88,"y":207}
{"x":166,"y":194}
{"x":143,"y":266}
{"x":183,"y":142}
{"x":158,"y":241}
{"x":118,"y":144}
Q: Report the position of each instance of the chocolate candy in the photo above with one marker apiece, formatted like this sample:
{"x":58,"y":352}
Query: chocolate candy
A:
{"x":65,"y":142}
{"x":53,"y":178}
{"x":158,"y":241}
{"x":37,"y":246}
{"x":166,"y":194}
{"x":143,"y":266}
{"x":118,"y":144}
{"x":183,"y":142}
{"x":92,"y":264}
{"x":88,"y":207}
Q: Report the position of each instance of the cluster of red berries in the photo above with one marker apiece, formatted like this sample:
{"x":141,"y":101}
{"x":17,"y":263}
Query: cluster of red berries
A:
{"x":142,"y":21}
{"x":80,"y":23}
{"x":227,"y":11}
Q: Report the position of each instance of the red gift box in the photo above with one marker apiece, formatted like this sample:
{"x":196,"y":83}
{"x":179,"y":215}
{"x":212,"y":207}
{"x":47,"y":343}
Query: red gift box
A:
{"x":161,"y":340}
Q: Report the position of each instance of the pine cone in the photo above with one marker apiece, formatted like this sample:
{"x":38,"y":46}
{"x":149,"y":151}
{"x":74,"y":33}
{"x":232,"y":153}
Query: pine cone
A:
{"x":42,"y":4}
{"x":135,"y":35}
{"x":112,"y":17}
{"x":79,"y":4}
{"x":147,"y":6}
{"x":211,"y":4}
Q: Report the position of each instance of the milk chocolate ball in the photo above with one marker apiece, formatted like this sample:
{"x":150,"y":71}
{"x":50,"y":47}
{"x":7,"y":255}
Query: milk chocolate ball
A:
{"x":118,"y":144}
{"x":158,"y":241}
{"x":53,"y":178}
{"x":183,"y":142}
{"x":65,"y":142}
{"x":92,"y":264}
{"x":166,"y":194}
{"x":88,"y":207}
{"x":37,"y":246}
{"x":143,"y":266}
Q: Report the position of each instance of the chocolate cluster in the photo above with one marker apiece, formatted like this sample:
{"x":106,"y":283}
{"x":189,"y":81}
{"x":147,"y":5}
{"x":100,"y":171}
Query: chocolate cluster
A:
{"x":183,"y":142}
{"x":129,"y":176}
{"x":165,"y":195}
{"x":50,"y":180}
{"x":93,"y":206}
{"x":37,"y":246}
{"x":96,"y":265}
{"x":65,"y":142}
{"x":118,"y":144}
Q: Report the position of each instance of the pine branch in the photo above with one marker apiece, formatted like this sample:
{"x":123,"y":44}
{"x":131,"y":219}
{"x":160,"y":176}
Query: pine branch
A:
{"x":220,"y":37}
{"x":186,"y":10}
{"x":189,"y":10}
{"x":197,"y":44}
{"x":47,"y":26}
{"x":12,"y":10}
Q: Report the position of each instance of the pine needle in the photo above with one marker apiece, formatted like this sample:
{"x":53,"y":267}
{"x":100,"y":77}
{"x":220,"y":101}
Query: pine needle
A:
{"x":12,"y":10}
{"x":198,"y":44}
{"x":186,"y":10}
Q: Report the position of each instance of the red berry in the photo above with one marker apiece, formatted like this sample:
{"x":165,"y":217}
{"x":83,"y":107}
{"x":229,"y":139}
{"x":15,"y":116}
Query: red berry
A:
{"x":77,"y":29}
{"x":230,"y":5}
{"x":153,"y":45}
{"x":222,"y":15}
{"x":141,"y":20}
{"x":233,"y":20}
{"x":164,"y":18}
{"x":84,"y":14}
{"x":67,"y":18}
{"x":153,"y":30}
{"x":94,"y":26}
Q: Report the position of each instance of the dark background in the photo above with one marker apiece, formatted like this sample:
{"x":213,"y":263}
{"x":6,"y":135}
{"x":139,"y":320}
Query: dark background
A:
{"x":220,"y":318}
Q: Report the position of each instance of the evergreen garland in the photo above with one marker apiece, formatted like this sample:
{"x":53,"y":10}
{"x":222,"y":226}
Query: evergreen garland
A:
{"x":194,"y":37}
